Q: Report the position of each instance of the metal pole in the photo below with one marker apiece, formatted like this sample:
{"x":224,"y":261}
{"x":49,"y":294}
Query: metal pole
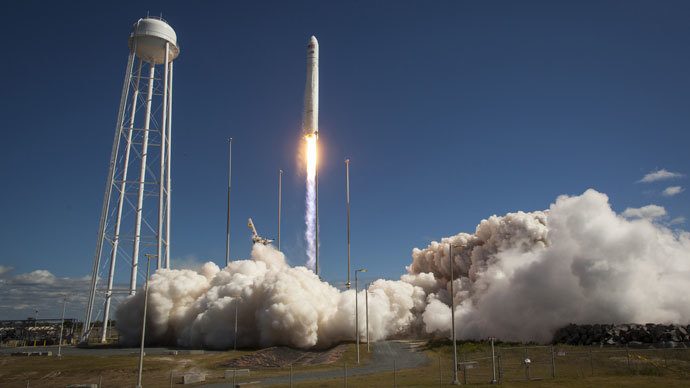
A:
{"x":62,"y":325}
{"x":161,"y":176}
{"x":227,"y":237}
{"x":143,"y":323}
{"x":464,"y":368}
{"x":527,"y":375}
{"x":356,"y":318}
{"x":237,"y":301}
{"x":106,"y":198}
{"x":347,"y":168}
{"x":366,"y":301}
{"x":280,"y":201}
{"x":171,"y":379}
{"x":452,"y":318}
{"x":493,"y":362}
{"x":167,"y":177}
{"x":553,"y":364}
{"x":142,"y":179}
{"x":120,"y":202}
{"x":440,"y":372}
{"x":395,"y":377}
{"x":316,"y":186}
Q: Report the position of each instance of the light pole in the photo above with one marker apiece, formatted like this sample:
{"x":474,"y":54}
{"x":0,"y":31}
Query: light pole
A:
{"x":366,"y":301}
{"x":237,"y":301}
{"x":347,"y":180}
{"x":280,"y":201}
{"x":62,"y":324}
{"x":227,"y":222}
{"x":357,"y":313}
{"x":493,"y":362}
{"x":143,"y":323}
{"x":452,"y":315}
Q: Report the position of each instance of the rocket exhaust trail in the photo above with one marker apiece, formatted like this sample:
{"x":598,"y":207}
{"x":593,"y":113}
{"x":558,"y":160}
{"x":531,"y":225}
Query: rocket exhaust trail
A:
{"x":310,"y":128}
{"x":310,"y":213}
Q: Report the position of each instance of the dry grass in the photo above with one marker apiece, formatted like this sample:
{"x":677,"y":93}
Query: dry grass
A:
{"x":121,"y":370}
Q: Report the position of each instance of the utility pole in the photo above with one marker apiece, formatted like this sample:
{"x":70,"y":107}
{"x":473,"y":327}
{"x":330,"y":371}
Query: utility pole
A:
{"x":280,"y":201}
{"x":237,"y":301}
{"x":366,"y":301}
{"x":347,"y":168}
{"x":143,"y":321}
{"x":227,"y":237}
{"x":62,"y":325}
{"x":357,"y":313}
{"x":452,"y":316}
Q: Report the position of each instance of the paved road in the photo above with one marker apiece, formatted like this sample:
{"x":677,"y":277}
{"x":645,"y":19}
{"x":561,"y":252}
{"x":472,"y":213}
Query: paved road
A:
{"x":381,"y":360}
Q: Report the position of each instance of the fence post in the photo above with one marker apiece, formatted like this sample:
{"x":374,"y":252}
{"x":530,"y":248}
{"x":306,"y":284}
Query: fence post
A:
{"x":553,"y":364}
{"x":591,"y":361}
{"x":627,"y":350}
{"x":171,"y":379}
{"x":440,"y":373}
{"x":500,"y":367}
{"x":290,"y":377}
{"x":100,"y":379}
{"x":527,"y":376}
{"x":395,"y":379}
{"x":345,"y":374}
{"x":464,"y":368}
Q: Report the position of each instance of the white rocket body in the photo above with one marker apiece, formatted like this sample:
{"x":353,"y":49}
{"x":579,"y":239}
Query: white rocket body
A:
{"x":310,"y":121}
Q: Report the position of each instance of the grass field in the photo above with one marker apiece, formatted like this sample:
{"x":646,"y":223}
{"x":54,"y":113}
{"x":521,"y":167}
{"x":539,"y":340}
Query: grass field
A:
{"x":576,"y":367}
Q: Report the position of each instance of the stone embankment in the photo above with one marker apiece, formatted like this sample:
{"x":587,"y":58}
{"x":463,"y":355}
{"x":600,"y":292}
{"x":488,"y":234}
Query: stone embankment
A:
{"x":630,"y":334}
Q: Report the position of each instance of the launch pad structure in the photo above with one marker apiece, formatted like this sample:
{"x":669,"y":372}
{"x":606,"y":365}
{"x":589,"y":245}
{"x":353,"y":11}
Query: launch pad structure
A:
{"x":124,"y":226}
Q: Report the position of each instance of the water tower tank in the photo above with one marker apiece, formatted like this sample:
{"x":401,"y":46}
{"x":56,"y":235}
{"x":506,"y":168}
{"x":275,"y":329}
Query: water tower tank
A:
{"x":150,"y":35}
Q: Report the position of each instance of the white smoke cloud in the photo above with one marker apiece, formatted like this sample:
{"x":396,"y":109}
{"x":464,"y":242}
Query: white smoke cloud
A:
{"x":659,"y":175}
{"x":672,"y":190}
{"x":649,"y":212}
{"x":519,"y":277}
{"x":677,"y":220}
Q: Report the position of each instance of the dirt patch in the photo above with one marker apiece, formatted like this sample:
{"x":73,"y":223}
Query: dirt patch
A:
{"x":280,"y":356}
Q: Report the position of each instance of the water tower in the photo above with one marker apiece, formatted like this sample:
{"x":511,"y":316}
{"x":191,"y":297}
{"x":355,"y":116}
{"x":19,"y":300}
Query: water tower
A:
{"x":135,"y":220}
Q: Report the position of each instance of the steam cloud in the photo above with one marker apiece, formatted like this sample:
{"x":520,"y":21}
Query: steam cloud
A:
{"x":519,"y":277}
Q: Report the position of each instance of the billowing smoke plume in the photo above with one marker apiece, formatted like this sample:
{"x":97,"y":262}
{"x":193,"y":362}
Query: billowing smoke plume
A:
{"x":518,"y":277}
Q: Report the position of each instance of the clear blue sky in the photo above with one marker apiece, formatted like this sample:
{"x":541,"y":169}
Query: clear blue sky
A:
{"x":450,"y":111}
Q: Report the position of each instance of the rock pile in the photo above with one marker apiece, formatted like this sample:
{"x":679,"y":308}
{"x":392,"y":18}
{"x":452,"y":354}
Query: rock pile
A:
{"x":632,"y":334}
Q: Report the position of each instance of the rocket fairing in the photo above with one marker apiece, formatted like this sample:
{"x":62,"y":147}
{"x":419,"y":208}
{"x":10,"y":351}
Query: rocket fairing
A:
{"x":310,"y":120}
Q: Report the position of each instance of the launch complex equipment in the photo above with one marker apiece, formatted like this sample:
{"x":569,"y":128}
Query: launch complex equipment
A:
{"x":142,"y":143}
{"x":255,"y":236}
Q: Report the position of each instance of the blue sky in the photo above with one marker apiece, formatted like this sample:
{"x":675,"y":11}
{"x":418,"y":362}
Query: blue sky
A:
{"x":449,"y":112}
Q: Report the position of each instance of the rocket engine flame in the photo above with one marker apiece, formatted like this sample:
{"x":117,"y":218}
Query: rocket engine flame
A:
{"x":310,"y":210}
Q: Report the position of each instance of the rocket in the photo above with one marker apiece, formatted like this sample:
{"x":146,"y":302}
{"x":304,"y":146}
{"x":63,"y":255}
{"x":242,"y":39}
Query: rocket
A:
{"x":310,"y":120}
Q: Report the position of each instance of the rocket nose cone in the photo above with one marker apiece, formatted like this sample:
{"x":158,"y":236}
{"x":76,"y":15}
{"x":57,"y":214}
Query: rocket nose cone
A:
{"x":313,"y":40}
